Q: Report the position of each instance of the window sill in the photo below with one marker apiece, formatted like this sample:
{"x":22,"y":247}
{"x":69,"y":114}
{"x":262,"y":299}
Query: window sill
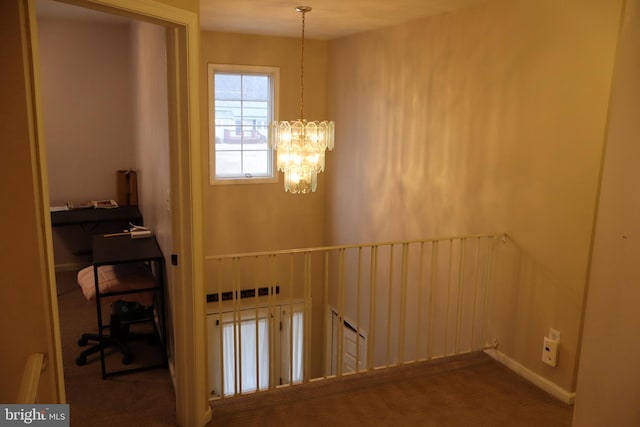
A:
{"x":241,"y":181}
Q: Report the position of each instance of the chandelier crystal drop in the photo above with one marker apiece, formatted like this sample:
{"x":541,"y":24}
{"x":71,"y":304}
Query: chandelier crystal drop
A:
{"x":301,"y":144}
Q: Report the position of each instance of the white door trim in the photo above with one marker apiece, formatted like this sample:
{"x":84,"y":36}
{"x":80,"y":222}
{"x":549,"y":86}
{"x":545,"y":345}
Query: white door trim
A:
{"x":189,"y":326}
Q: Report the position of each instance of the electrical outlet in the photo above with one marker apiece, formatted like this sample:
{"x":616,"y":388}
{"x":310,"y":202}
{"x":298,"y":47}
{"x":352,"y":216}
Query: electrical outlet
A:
{"x":550,"y":348}
{"x":550,"y":352}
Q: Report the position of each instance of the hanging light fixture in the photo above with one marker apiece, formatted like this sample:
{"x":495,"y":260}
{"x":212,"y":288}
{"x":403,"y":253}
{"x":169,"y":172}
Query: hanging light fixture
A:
{"x":301,"y":144}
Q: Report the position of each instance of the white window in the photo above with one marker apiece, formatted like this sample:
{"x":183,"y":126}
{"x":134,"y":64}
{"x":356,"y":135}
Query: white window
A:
{"x":242,"y":104}
{"x":246,"y":366}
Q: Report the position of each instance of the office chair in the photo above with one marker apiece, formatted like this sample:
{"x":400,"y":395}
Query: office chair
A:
{"x":124,"y":309}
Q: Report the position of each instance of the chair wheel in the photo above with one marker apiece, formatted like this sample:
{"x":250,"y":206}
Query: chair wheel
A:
{"x":81,"y":361}
{"x":82,"y":342}
{"x":126,"y":360}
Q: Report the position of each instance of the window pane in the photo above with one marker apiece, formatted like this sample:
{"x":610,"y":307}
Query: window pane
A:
{"x":228,"y":86}
{"x":251,"y":136}
{"x":228,"y":163}
{"x":255,"y":138}
{"x":230,"y":137}
{"x":263,"y":133}
{"x":255,"y":162}
{"x":227,"y":112}
{"x":255,"y":87}
{"x":257,"y":146}
{"x":227,"y":143}
{"x":255,"y":110}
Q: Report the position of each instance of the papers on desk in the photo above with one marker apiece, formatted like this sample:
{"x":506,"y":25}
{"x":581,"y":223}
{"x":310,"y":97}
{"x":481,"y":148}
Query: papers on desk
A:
{"x":58,"y":208}
{"x":80,"y":205}
{"x":104,"y":204}
{"x":88,"y":204}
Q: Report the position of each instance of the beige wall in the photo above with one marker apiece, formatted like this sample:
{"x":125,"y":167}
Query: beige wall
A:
{"x":151,"y":147}
{"x":490,"y":119}
{"x":258,"y":217}
{"x":608,"y":386}
{"x":88,"y":112}
{"x":151,"y":157}
{"x":87,"y":86}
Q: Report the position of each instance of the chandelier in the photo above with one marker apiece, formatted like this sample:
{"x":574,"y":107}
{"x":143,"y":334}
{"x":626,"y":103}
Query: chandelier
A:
{"x":301,"y":144}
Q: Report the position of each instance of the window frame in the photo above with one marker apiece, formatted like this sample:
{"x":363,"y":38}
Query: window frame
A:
{"x":274,"y":75}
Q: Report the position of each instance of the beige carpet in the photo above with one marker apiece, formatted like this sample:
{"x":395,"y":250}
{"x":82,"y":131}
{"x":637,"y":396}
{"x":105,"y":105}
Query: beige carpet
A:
{"x":469,"y":391}
{"x":138,"y":399}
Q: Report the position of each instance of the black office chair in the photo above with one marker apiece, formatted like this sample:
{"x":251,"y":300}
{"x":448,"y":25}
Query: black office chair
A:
{"x":123,"y":312}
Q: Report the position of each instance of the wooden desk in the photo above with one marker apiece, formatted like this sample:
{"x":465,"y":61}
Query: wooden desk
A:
{"x":120,"y":250}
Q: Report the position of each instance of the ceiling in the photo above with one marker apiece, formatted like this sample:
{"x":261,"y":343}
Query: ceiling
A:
{"x":329,"y":19}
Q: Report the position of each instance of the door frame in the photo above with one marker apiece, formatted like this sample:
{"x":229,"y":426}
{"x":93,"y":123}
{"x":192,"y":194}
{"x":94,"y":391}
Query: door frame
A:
{"x":188,"y":320}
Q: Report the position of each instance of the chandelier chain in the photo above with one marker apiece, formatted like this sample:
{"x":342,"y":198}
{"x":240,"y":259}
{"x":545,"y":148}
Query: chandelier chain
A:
{"x":302,"y":70}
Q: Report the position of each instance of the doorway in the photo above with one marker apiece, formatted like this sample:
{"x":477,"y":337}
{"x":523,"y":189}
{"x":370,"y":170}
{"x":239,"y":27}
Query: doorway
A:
{"x":187,"y":321}
{"x":105,"y":109}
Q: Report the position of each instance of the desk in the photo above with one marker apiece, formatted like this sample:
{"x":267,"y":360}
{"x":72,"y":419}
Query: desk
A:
{"x":74,"y":229}
{"x":96,"y":216}
{"x":120,"y":250}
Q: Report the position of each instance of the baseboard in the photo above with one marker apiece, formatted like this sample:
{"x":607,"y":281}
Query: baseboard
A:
{"x":172,"y":372}
{"x":543,"y":383}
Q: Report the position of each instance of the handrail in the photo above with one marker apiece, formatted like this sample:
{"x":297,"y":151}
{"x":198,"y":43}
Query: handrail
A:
{"x":31,"y":379}
{"x":408,"y":301}
{"x":351,"y":246}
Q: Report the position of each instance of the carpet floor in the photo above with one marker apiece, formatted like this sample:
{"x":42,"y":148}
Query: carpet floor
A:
{"x":143,"y":398}
{"x":467,"y":391}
